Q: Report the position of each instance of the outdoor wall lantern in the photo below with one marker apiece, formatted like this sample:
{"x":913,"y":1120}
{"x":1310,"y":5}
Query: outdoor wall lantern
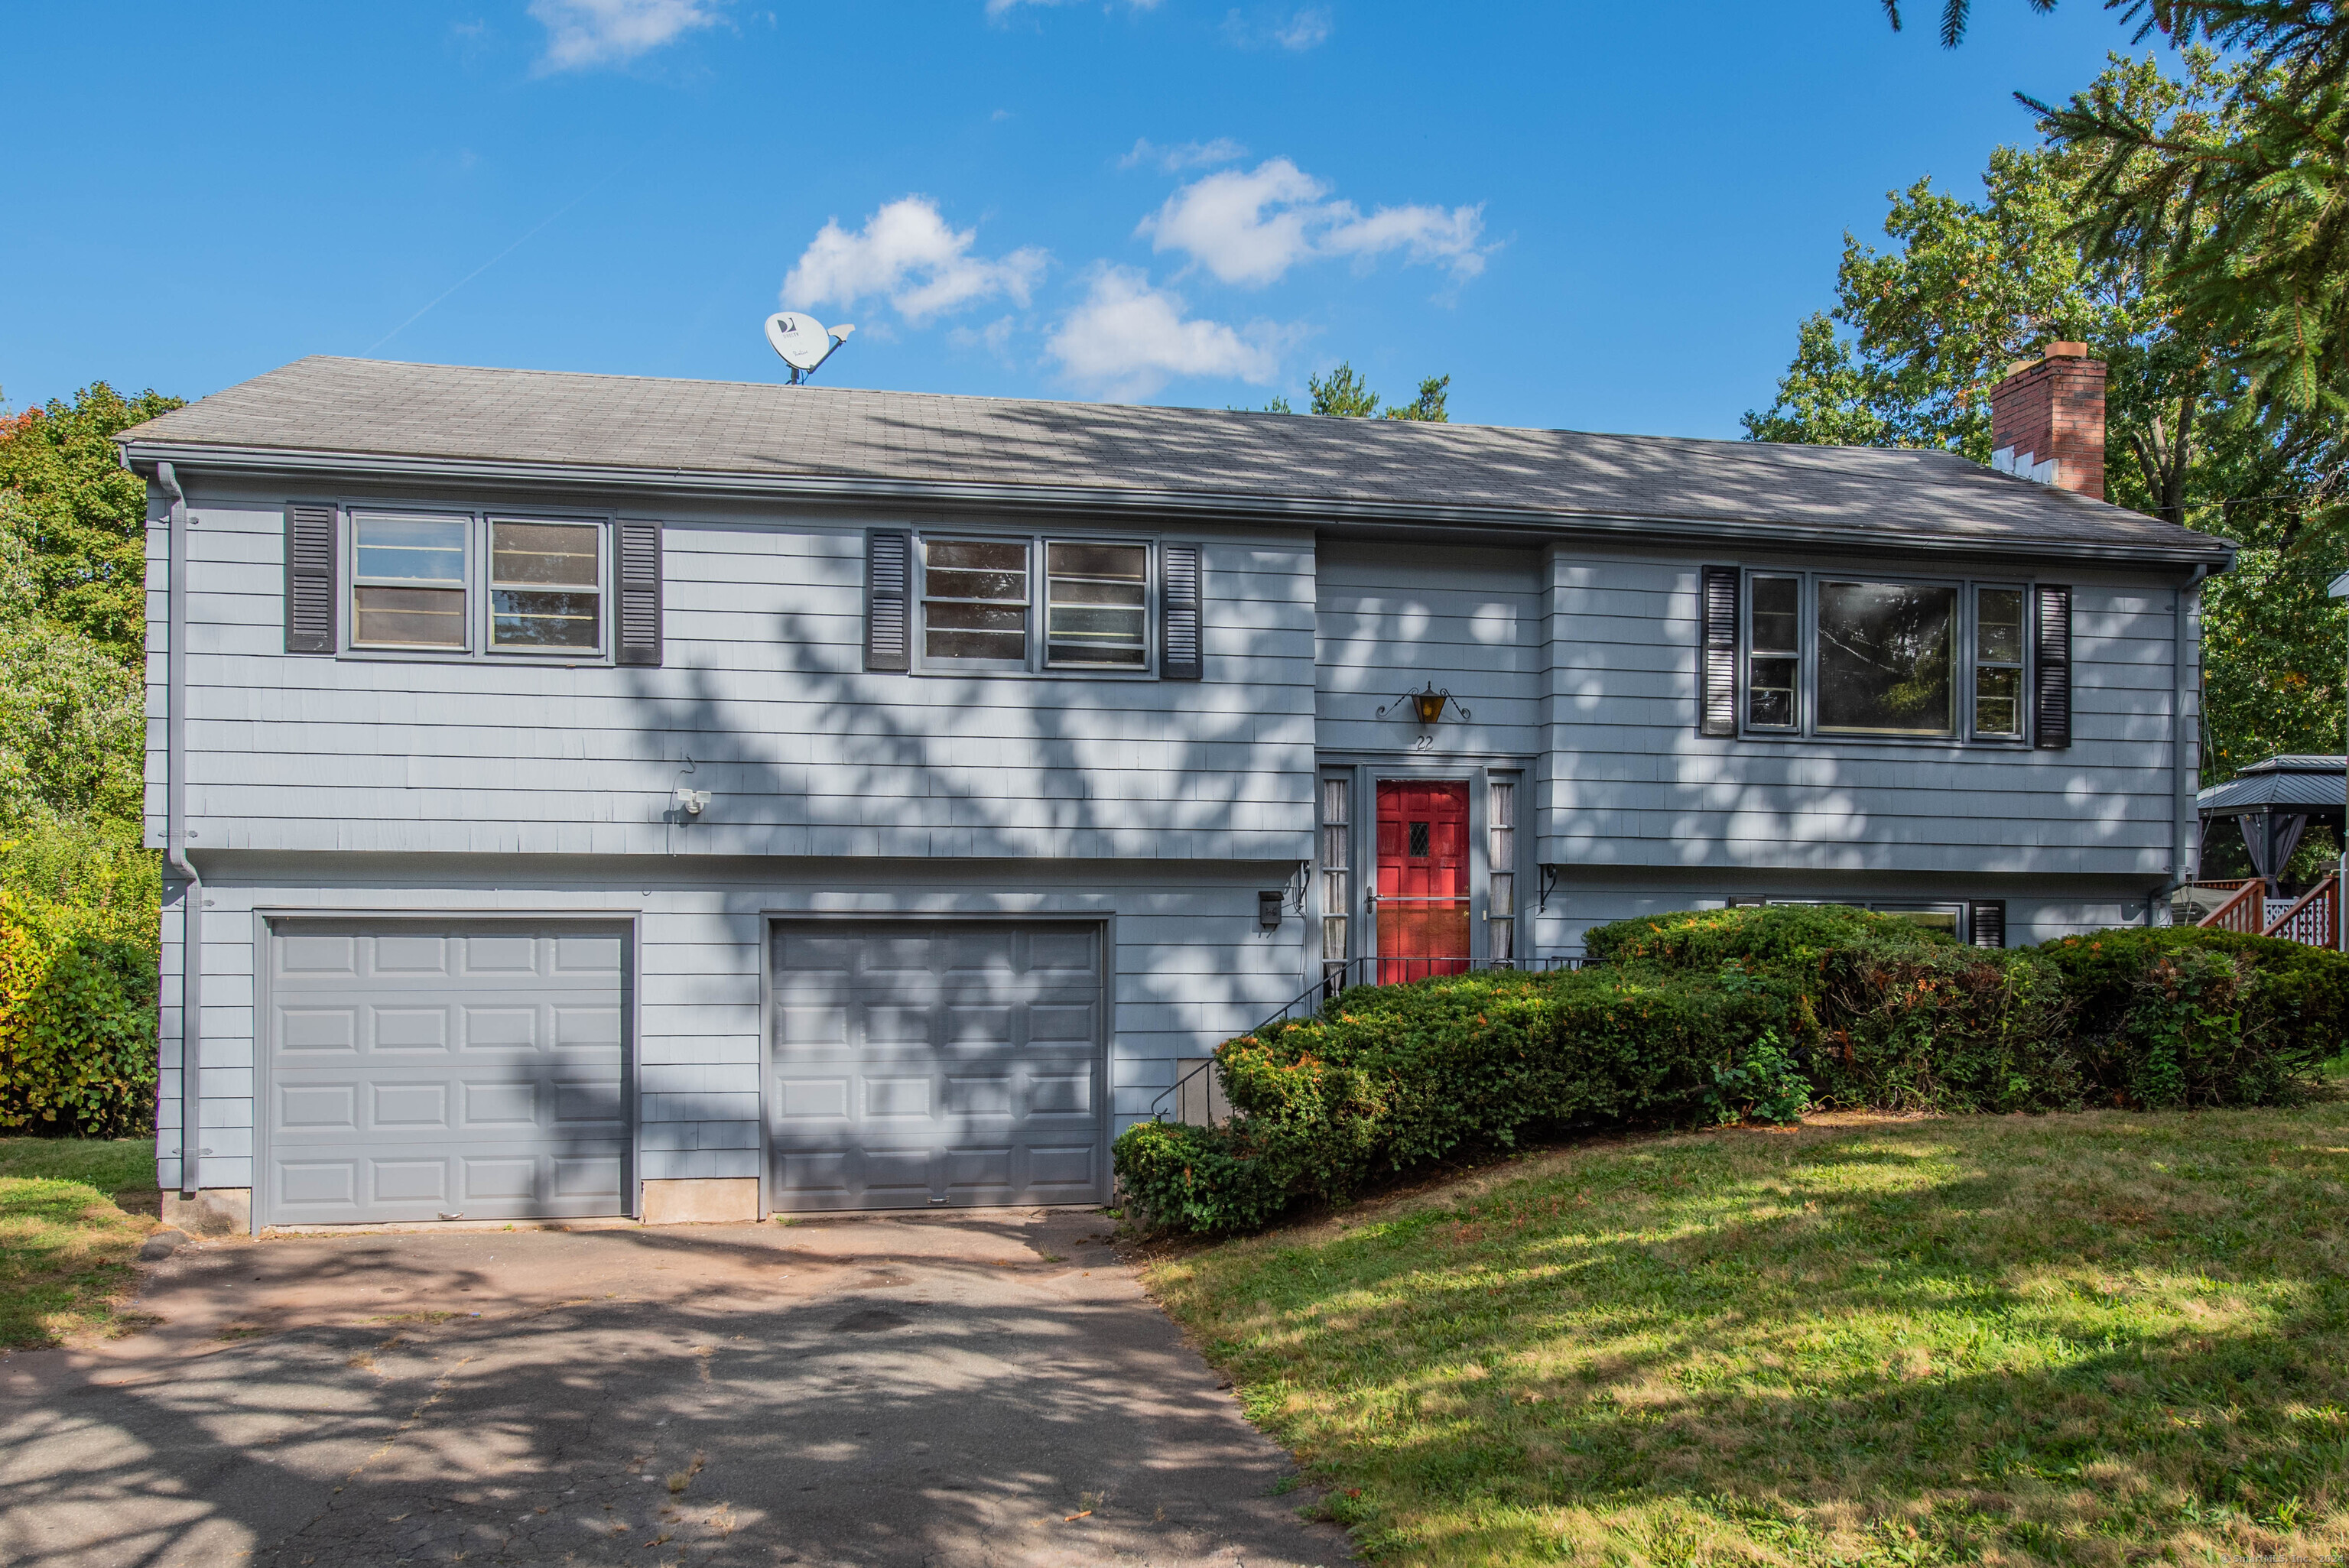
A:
{"x":1427,"y":705}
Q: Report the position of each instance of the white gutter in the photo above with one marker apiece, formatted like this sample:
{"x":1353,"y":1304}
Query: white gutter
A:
{"x":175,"y":840}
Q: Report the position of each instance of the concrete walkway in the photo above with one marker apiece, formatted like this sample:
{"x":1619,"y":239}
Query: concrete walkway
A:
{"x":981,"y":1389}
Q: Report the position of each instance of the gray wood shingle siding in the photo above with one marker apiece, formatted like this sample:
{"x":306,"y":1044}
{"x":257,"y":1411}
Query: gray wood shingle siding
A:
{"x":1159,"y":809}
{"x":804,"y":752}
{"x":1627,"y":780}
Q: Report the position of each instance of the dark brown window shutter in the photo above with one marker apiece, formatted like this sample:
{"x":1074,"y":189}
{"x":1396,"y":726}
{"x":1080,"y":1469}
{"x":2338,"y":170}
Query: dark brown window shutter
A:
{"x":1988,"y":923}
{"x":2051,"y":671}
{"x":1716,"y":671}
{"x":888,"y":570}
{"x":1178,"y":612}
{"x":638,"y":553}
{"x":309,"y":578}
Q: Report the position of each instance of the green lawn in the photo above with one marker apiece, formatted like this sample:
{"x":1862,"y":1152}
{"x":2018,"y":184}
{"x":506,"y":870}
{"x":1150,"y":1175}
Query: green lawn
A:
{"x":2106,"y":1338}
{"x":65,"y":1245}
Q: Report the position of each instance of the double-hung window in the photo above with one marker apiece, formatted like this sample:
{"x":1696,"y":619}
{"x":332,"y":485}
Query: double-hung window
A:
{"x":1998,"y":664}
{"x":546,"y":585}
{"x":457,"y":584}
{"x":1823,"y":654}
{"x":409,"y":580}
{"x":1034,"y":603}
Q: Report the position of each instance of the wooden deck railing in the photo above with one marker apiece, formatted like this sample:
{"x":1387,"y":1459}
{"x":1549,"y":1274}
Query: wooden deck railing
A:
{"x":2314,"y":918}
{"x":2246,"y":911}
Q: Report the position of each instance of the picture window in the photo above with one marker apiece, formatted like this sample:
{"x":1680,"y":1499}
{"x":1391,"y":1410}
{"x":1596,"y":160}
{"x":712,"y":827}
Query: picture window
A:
{"x":1884,"y":658}
{"x":1828,"y":656}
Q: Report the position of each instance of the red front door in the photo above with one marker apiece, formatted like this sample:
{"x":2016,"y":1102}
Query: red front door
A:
{"x":1422,"y":880}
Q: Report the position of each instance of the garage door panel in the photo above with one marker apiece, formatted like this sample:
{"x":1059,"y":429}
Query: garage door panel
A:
{"x":913,"y":1067}
{"x":501,"y":955}
{"x":990,"y":1095}
{"x":409,"y":956}
{"x":587,"y":1106}
{"x":500,"y":1028}
{"x":404,"y":1105}
{"x":318,"y":1108}
{"x":314,"y":1031}
{"x":473,"y":1071}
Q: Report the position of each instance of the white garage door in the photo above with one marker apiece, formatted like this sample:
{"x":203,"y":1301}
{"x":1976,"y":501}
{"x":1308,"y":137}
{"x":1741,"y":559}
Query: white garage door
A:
{"x":418,"y":1072}
{"x":937,"y":1064}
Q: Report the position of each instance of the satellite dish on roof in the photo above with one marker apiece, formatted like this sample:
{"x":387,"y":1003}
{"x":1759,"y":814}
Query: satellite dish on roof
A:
{"x":802,"y":341}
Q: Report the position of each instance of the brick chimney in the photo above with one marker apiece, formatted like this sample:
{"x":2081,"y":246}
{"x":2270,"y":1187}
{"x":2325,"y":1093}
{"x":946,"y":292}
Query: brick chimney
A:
{"x":2047,"y":420}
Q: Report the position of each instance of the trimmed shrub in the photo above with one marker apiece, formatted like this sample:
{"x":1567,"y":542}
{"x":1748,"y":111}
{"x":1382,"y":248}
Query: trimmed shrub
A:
{"x":2303,"y":993}
{"x":1393,"y":1077}
{"x":1772,"y":936}
{"x":1741,"y":1014}
{"x":77,"y":981}
{"x":1938,"y":1026}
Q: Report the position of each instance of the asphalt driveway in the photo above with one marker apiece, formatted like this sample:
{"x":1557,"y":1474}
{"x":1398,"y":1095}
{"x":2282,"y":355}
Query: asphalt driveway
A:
{"x":990,"y":1389}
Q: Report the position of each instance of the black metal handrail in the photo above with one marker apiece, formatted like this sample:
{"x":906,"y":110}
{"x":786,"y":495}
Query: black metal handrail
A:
{"x":1338,"y":977}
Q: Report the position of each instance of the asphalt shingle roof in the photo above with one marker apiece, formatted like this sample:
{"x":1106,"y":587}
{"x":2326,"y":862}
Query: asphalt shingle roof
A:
{"x":324,"y":404}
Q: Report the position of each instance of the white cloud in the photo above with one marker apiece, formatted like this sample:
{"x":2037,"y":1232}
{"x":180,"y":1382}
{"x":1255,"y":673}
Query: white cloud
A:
{"x":1424,"y":234}
{"x":1246,"y":226}
{"x":906,"y":253}
{"x":1299,"y":29}
{"x":1302,"y":31}
{"x":995,"y":336}
{"x":1127,"y":339}
{"x":1250,"y":226}
{"x":998,"y":9}
{"x":583,"y":34}
{"x":1183,"y":155}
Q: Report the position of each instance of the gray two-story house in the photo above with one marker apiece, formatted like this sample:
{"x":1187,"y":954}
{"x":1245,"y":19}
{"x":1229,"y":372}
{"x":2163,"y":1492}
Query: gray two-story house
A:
{"x":586,"y":796}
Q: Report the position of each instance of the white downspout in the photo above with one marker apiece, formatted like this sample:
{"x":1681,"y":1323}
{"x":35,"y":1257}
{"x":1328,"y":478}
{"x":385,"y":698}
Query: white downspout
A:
{"x":175,"y":840}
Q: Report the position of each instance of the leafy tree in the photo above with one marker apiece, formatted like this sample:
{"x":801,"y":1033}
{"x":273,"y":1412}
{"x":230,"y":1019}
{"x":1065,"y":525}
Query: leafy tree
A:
{"x":1428,"y":406}
{"x":1342,"y":393}
{"x":1929,"y":325}
{"x":1970,"y":287}
{"x":72,"y":715}
{"x":2246,"y":211}
{"x":84,"y":519}
{"x":1955,"y":16}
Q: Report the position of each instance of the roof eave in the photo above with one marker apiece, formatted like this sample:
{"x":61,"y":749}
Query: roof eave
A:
{"x":1366,"y":517}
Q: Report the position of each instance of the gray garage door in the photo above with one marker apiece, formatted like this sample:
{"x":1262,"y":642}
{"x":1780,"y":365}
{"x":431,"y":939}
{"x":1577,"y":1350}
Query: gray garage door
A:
{"x":417,"y":1072}
{"x":937,"y":1064}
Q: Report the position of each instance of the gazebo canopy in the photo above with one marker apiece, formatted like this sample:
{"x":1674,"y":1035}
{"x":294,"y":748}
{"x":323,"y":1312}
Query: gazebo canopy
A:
{"x":2280,"y":784}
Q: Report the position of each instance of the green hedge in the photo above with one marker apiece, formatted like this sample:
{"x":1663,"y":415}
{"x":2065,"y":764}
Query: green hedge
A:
{"x":1742,"y":1013}
{"x":1392,"y":1076}
{"x":78,"y":946}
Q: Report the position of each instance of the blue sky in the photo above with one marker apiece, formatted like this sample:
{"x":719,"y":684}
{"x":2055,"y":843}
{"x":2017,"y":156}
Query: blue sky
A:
{"x":1593,"y":216}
